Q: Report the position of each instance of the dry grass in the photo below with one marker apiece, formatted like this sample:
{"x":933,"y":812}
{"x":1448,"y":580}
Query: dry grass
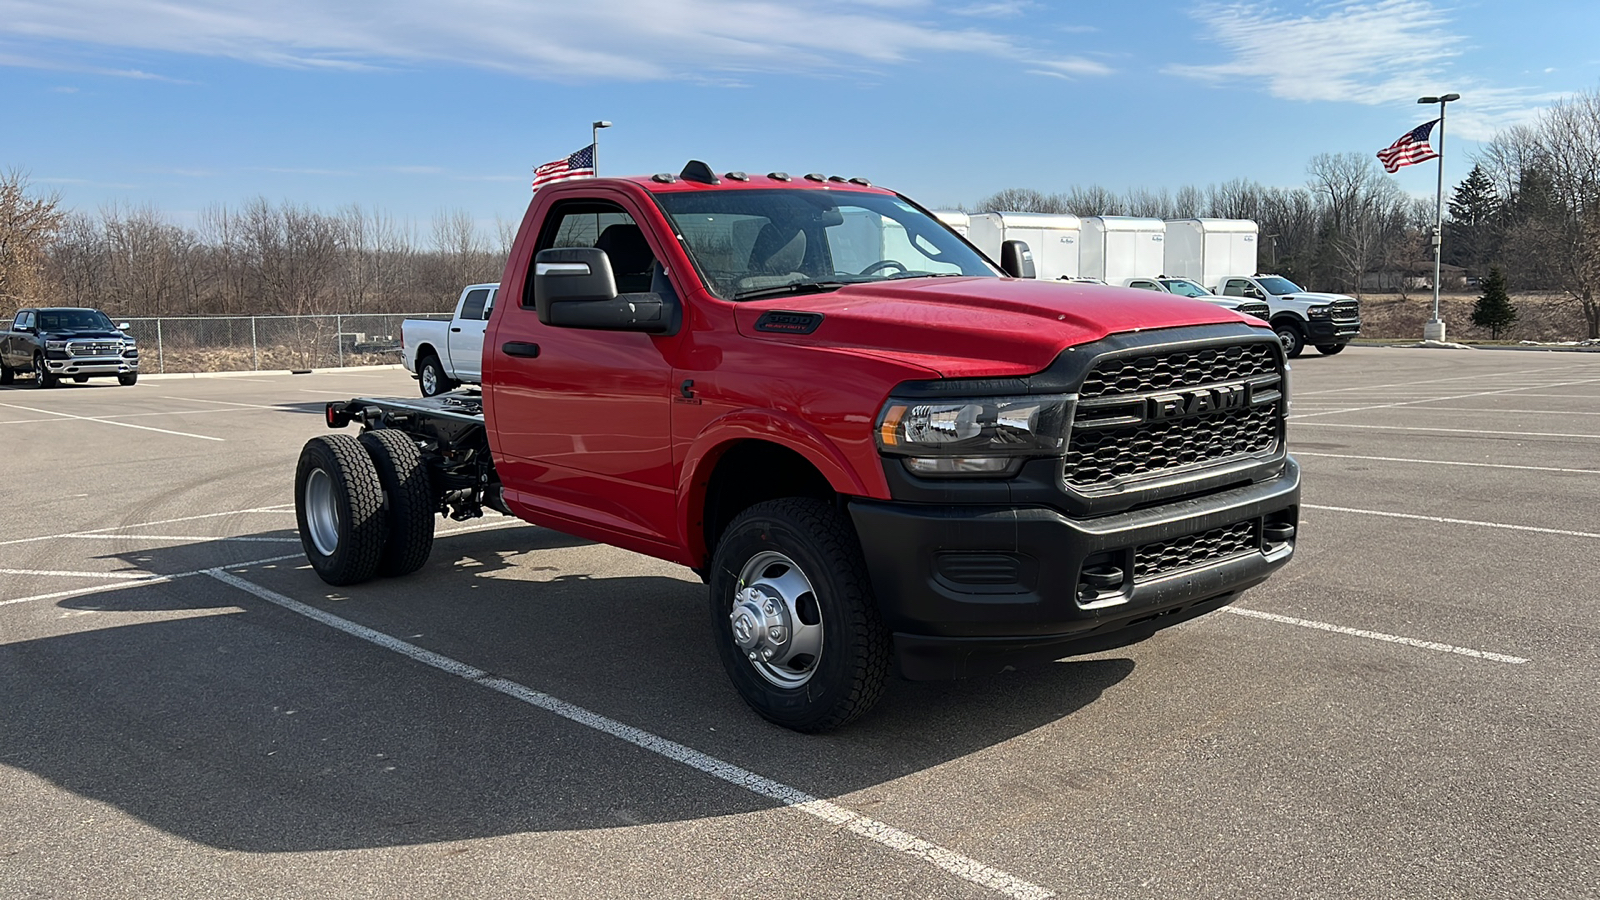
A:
{"x":1542,"y":317}
{"x":241,"y":359}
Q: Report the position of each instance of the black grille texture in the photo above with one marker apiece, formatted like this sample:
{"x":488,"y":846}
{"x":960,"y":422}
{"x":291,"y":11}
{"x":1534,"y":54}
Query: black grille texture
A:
{"x":1098,"y":457}
{"x":1188,"y":368}
{"x":1155,"y":560}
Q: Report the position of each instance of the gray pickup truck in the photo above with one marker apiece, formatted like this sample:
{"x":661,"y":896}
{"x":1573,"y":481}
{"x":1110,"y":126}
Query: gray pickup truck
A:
{"x":67,"y":342}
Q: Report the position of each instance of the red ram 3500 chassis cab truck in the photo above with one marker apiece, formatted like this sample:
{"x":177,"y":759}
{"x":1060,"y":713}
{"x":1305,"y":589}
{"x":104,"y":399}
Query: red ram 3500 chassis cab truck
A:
{"x":876,"y":446}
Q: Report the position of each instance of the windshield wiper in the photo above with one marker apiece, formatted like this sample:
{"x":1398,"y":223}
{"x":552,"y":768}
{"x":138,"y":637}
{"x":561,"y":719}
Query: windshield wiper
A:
{"x":799,"y":287}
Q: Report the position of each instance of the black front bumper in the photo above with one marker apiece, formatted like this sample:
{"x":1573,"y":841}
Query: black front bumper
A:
{"x":972,"y":589}
{"x":1321,"y":332}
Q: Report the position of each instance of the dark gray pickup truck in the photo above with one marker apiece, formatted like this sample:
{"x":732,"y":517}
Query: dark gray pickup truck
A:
{"x":66,"y":342}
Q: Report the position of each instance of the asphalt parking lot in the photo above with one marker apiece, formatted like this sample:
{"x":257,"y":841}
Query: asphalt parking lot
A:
{"x":1408,"y":710}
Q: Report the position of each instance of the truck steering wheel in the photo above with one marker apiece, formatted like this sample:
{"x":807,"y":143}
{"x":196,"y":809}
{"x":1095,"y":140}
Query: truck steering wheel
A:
{"x":881,"y":265}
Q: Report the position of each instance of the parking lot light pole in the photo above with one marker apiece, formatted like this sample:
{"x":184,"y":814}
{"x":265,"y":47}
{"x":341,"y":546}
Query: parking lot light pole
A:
{"x":1434,"y":329}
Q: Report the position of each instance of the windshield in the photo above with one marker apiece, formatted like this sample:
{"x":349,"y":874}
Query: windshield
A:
{"x":1185,"y":287}
{"x":760,"y":243}
{"x":73,"y":320}
{"x":1277,"y":286}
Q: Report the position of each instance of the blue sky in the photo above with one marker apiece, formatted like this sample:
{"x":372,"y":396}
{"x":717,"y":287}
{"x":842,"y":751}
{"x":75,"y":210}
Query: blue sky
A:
{"x":411,"y":106}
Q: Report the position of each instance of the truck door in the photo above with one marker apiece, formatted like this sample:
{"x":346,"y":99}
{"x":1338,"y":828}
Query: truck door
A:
{"x":466,"y":334}
{"x":582,"y":430}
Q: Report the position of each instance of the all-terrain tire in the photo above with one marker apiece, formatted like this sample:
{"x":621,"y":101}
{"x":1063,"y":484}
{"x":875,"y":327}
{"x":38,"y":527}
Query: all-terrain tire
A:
{"x":848,"y":675}
{"x":128,"y":379}
{"x":431,"y":378}
{"x":408,"y":495}
{"x":1330,"y":349}
{"x":45,"y":378}
{"x":1291,"y":337}
{"x":338,"y":504}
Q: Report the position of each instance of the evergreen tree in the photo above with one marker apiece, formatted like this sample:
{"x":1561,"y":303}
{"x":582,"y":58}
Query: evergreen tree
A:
{"x":1494,"y":309}
{"x":1470,"y":233}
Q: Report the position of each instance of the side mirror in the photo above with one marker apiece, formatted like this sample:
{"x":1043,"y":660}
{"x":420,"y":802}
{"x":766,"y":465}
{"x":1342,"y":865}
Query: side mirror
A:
{"x":1016,"y":259}
{"x":574,"y":287}
{"x":1253,"y":293}
{"x":124,"y":326}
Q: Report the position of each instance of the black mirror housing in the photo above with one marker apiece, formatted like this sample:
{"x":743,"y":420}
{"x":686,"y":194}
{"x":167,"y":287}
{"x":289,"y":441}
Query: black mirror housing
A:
{"x":1016,"y":259}
{"x":575,"y":287}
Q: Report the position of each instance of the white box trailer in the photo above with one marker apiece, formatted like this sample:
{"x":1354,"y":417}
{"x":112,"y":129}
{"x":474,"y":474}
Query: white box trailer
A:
{"x":1209,"y":250}
{"x":1117,"y":248}
{"x":1053,"y":238}
{"x":956,"y":219}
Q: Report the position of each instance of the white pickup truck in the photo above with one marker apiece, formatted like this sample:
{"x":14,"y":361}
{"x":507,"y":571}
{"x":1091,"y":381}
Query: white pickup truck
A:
{"x":443,"y":355}
{"x":1300,"y":317}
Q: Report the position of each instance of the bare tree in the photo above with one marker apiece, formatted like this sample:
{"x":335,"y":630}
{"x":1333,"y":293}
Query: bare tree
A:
{"x":1550,"y":171}
{"x":28,"y":223}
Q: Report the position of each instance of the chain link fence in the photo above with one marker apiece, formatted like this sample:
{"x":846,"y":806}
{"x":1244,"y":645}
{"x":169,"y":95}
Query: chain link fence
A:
{"x":255,"y":343}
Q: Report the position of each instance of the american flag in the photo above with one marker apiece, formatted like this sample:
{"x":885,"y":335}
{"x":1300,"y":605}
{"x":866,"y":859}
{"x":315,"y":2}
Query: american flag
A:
{"x":578,"y":165}
{"x":1412,"y":148}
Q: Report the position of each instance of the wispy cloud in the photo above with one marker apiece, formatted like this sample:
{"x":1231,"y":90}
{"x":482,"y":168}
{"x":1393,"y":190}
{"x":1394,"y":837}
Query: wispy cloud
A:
{"x":999,"y":9}
{"x":619,"y":40}
{"x":15,"y":60}
{"x":1070,"y":67}
{"x":1356,"y":52}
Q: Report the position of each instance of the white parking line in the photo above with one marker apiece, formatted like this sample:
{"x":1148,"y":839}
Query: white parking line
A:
{"x":133,"y":580}
{"x":132,"y":576}
{"x":141,"y":582}
{"x":1377,"y":636}
{"x":871,"y":829}
{"x":51,"y":412}
{"x":1502,"y":412}
{"x":237,"y":512}
{"x":1501,"y":391}
{"x":181,"y":537}
{"x":1446,"y":462}
{"x":1560,"y":434}
{"x":1449,"y":521}
{"x":228,"y":403}
{"x":1407,"y":384}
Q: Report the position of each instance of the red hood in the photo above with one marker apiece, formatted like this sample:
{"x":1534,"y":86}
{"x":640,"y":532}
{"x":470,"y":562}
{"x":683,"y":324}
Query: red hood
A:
{"x":980,"y":327}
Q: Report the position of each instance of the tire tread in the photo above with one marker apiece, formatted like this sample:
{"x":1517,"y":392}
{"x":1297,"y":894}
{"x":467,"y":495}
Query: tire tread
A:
{"x":405,"y":482}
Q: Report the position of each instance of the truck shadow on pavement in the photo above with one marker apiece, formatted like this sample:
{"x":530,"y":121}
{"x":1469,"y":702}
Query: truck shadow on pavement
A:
{"x":220,"y":718}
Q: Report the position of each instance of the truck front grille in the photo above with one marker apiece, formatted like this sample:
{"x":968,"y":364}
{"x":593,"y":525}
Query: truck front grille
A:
{"x":1346,"y":311}
{"x":1148,"y":416}
{"x":1259,"y":310}
{"x":95,"y":348}
{"x":1164,"y":557}
{"x":1164,"y":371}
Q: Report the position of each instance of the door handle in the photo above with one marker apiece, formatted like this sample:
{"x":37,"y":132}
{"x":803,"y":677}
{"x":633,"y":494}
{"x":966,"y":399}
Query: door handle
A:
{"x":455,"y":329}
{"x":520,"y":348}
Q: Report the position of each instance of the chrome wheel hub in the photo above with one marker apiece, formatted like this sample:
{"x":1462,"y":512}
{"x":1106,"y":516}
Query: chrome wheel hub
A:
{"x":776,"y":621}
{"x":322,"y":512}
{"x":430,"y":381}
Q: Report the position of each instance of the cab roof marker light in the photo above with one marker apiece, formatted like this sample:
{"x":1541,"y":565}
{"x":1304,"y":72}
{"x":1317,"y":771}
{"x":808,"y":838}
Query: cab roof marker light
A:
{"x":816,"y":176}
{"x":736,"y":176}
{"x":837,"y":178}
{"x":861,"y":181}
{"x":664,"y":177}
{"x":779,"y":176}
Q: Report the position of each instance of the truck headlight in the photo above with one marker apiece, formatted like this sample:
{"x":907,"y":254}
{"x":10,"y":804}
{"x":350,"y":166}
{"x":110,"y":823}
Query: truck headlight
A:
{"x":55,"y":345}
{"x":1320,"y":312}
{"x":972,"y":436}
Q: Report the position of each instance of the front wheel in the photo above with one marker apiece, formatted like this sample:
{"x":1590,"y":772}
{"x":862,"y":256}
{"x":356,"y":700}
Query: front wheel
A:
{"x":796,"y":623}
{"x":46,"y":378}
{"x":1294,"y":343}
{"x":1329,"y":349}
{"x":128,"y":379}
{"x":339,"y":507}
{"x":431,"y":377}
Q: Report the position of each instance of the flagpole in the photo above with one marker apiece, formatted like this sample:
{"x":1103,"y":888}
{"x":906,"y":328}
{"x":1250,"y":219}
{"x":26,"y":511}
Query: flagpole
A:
{"x":594,"y":143}
{"x":1434,"y":329}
